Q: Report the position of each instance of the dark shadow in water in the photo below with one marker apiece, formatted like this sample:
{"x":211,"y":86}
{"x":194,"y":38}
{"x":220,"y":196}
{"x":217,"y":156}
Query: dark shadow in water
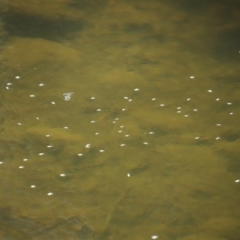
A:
{"x":26,"y":228}
{"x":88,"y":5}
{"x":228,"y":44}
{"x":232,"y":157}
{"x":199,"y":5}
{"x":38,"y":27}
{"x":233,"y":164}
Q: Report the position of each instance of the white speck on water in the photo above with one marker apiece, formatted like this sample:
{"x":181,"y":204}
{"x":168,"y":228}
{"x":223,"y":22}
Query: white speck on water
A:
{"x":88,"y":145}
{"x":67,"y":96}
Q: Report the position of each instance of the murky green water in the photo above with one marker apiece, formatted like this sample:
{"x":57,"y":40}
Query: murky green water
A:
{"x":119,"y":120}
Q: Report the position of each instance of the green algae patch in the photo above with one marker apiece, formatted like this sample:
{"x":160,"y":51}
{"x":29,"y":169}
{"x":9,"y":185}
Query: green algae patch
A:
{"x":55,"y":134}
{"x":39,"y":51}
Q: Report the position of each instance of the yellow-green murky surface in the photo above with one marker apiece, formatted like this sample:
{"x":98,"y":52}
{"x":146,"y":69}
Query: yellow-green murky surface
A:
{"x":119,"y":120}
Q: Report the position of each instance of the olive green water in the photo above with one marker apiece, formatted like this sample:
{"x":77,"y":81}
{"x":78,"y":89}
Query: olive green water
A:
{"x":145,"y":145}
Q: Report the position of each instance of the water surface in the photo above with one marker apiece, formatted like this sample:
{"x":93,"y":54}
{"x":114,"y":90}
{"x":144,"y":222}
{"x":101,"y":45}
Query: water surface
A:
{"x":119,"y":120}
